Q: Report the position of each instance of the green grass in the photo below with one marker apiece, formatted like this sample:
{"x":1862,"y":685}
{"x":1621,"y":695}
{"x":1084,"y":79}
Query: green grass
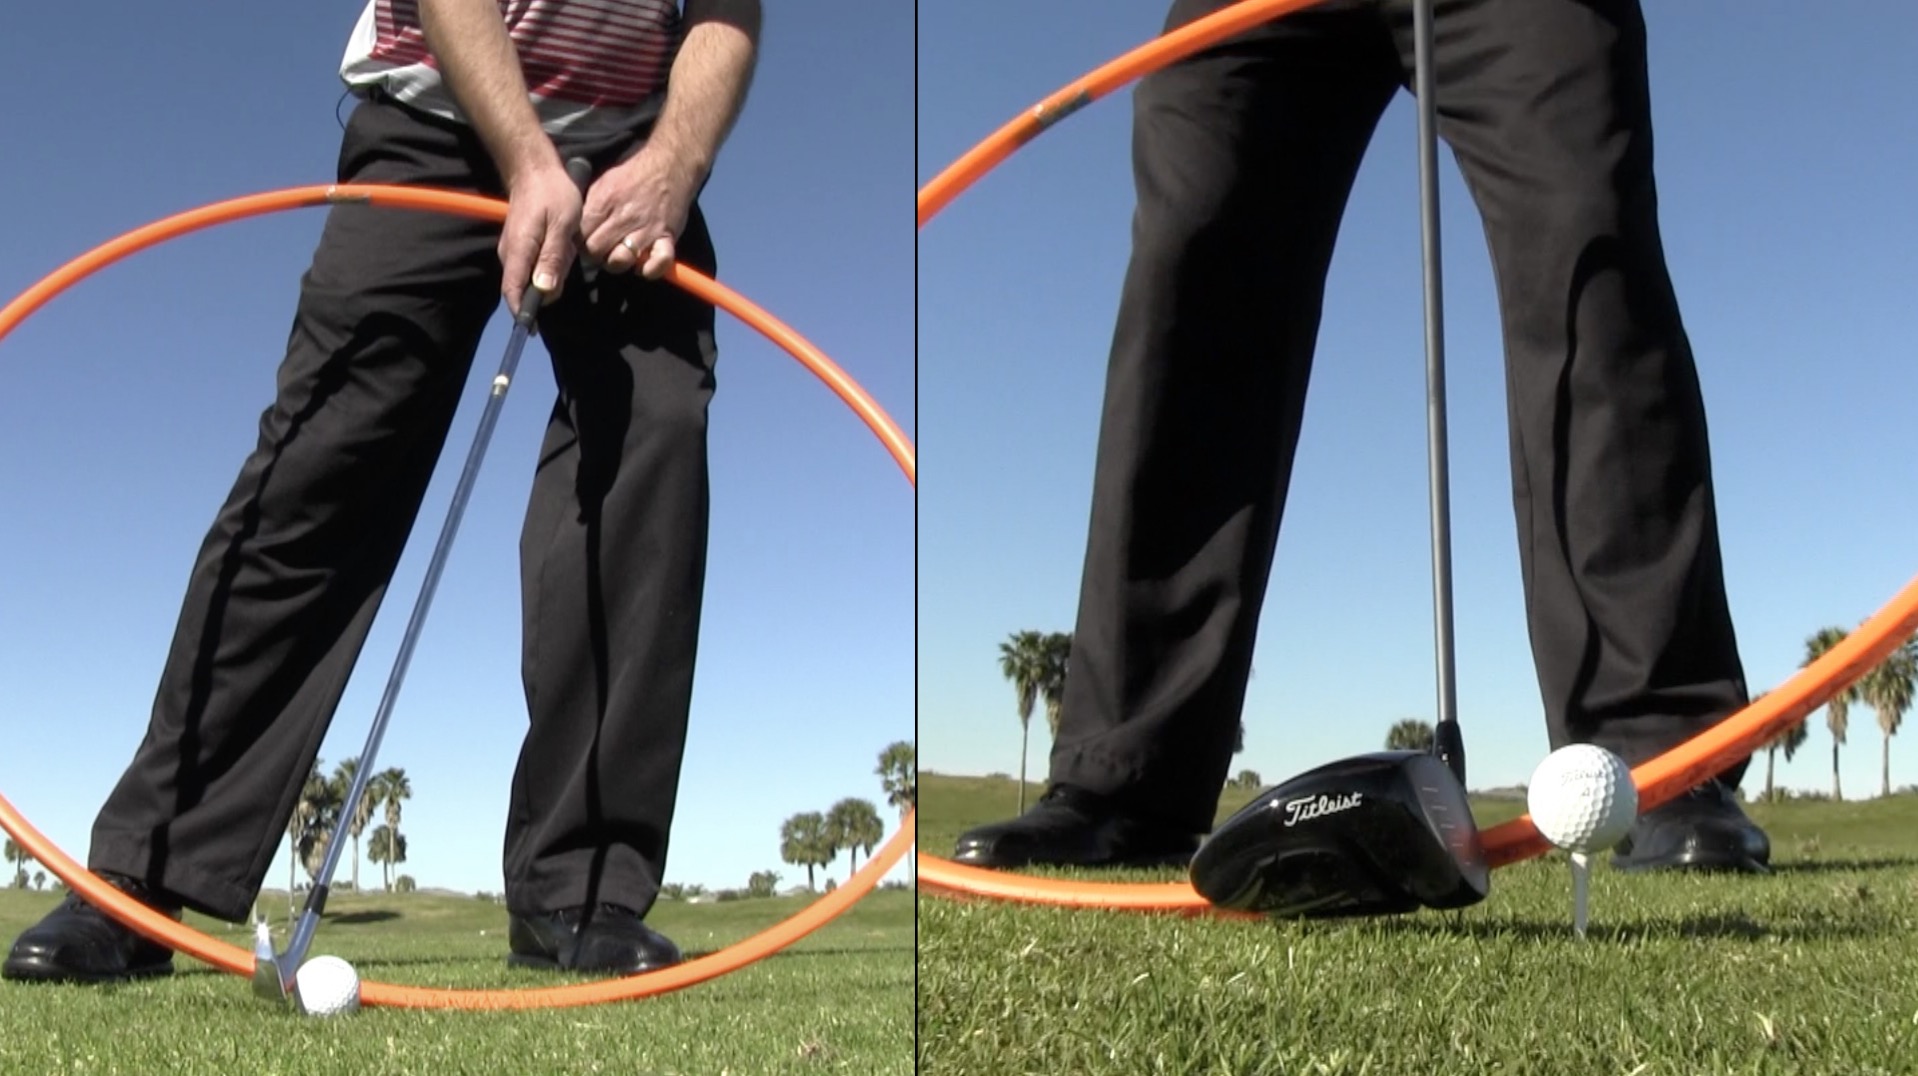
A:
{"x":838,"y":1001}
{"x":1812,"y":970}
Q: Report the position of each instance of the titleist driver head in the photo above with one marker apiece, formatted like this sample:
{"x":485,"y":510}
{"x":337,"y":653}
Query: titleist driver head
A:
{"x":1377,"y":834}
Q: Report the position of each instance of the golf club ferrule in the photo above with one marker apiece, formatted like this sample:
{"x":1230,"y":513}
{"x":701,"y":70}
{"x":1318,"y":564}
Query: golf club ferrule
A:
{"x":1448,"y":742}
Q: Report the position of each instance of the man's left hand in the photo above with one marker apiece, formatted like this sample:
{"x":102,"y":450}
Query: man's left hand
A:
{"x":636,"y":210}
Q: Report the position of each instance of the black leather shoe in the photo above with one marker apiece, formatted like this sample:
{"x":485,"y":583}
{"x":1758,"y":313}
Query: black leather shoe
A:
{"x":78,"y":943}
{"x":611,"y":939}
{"x":1071,"y":827}
{"x":1703,"y":830}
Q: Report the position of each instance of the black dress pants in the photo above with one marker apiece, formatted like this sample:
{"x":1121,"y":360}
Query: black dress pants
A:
{"x":1244,"y":157}
{"x":297,"y":562}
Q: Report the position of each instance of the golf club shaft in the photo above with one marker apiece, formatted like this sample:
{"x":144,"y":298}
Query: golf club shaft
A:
{"x":316,"y":899}
{"x":523,"y":323}
{"x":1450,"y":744}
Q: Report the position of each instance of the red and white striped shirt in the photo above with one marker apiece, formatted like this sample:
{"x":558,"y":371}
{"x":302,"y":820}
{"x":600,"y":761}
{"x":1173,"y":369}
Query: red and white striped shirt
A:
{"x":587,"y":63}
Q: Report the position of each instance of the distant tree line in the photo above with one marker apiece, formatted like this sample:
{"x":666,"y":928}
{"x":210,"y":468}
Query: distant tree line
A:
{"x":813,"y":839}
{"x":19,"y":860}
{"x":1034,"y":662}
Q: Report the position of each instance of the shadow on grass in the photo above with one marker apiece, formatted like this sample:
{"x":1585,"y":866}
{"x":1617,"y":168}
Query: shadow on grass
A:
{"x":1835,"y":866}
{"x":1735,"y":926}
{"x":842,"y":950}
{"x":376,"y":916}
{"x":424,"y":961}
{"x":191,"y":967}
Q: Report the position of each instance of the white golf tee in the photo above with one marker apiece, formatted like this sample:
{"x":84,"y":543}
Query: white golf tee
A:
{"x":1581,"y":890}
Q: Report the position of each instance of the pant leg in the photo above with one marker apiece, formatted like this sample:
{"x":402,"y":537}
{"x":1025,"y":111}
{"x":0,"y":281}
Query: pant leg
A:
{"x":1243,"y":159}
{"x":613,"y":561}
{"x":1547,"y":105}
{"x":286,"y":584}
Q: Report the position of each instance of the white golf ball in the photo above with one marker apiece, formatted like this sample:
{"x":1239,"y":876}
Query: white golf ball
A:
{"x":1582,"y":798}
{"x":327,"y":986}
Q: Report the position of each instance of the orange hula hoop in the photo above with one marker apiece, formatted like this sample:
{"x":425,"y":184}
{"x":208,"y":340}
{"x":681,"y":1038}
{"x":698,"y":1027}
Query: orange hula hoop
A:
{"x":1658,"y":780}
{"x":229,"y":958}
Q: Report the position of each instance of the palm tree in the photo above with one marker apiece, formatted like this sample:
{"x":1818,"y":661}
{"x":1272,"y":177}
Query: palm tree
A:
{"x":802,"y":840}
{"x":315,"y":814}
{"x":394,"y":790}
{"x":1410,"y":734}
{"x":387,"y":847}
{"x":39,"y":879}
{"x":1055,"y":652}
{"x":325,"y":801}
{"x":1887,"y":689}
{"x":1838,"y":708}
{"x":343,"y":776}
{"x":899,"y":776}
{"x":1791,"y":739}
{"x":852,"y":825}
{"x":1022,"y":661}
{"x":390,"y":789}
{"x":18,"y":856}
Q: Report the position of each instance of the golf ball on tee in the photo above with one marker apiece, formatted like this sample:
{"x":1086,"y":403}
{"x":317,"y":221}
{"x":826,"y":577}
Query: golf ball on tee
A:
{"x":327,"y":986}
{"x":1582,"y":798}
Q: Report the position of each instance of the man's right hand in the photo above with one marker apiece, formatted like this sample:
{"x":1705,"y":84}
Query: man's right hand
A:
{"x":536,"y":243}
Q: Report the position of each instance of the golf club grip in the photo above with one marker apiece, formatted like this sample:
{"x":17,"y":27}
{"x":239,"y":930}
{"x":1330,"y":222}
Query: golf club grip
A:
{"x":581,"y":172}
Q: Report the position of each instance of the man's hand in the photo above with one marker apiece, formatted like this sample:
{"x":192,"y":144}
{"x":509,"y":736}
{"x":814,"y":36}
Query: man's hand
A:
{"x":637,"y":210}
{"x":536,"y":243}
{"x":634,"y":212}
{"x":469,"y":41}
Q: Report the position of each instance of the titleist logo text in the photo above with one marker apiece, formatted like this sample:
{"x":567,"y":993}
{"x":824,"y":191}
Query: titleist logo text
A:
{"x":1304,"y":810}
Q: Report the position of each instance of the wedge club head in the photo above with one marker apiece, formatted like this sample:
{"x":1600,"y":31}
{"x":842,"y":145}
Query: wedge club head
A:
{"x":1377,"y":834}
{"x":271,"y":982}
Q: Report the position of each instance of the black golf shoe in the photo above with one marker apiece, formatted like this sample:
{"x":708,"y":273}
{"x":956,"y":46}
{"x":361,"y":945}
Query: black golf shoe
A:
{"x":1072,"y":827}
{"x":77,"y":942}
{"x":611,"y":940}
{"x":1702,"y":830}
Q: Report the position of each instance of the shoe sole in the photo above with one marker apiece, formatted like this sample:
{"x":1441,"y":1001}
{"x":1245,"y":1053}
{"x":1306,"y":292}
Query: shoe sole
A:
{"x":552,"y":964}
{"x":538,"y":963}
{"x":34,"y":971}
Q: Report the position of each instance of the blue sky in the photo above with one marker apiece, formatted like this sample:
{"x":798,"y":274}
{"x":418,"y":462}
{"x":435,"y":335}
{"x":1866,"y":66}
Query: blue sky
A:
{"x":131,"y":402}
{"x":1785,"y":159}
